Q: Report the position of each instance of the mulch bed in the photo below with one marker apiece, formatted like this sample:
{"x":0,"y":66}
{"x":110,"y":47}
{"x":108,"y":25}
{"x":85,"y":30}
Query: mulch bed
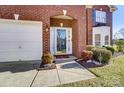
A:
{"x":89,"y":64}
{"x":47,"y":66}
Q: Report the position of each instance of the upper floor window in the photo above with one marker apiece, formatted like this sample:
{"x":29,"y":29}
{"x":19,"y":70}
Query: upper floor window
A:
{"x":100,"y":16}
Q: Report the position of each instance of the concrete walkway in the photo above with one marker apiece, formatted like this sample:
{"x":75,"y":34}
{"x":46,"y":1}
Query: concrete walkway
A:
{"x":24,"y":74}
{"x":66,"y":72}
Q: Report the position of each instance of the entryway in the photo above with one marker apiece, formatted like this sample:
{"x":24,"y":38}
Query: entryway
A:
{"x":63,"y":36}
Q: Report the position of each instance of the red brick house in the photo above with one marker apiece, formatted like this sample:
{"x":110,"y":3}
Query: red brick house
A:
{"x":67,"y":29}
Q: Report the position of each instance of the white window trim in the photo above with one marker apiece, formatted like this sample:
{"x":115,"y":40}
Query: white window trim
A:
{"x":100,"y":16}
{"x":104,"y":30}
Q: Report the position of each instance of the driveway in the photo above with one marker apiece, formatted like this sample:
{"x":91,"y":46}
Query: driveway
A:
{"x":17,"y":74}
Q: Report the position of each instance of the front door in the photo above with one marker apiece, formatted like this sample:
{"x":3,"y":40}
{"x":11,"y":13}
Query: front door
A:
{"x":61,"y":40}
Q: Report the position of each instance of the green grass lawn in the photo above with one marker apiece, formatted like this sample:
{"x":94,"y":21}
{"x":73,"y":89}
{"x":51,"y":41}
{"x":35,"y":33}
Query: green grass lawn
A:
{"x":108,"y":76}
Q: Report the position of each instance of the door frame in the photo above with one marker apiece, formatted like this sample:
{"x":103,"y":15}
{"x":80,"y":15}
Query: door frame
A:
{"x":53,"y":45}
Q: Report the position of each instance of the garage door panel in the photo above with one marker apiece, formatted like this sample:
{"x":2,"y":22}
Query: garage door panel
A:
{"x":9,"y":56}
{"x":30,"y":45}
{"x":8,"y":46}
{"x":10,"y":59}
{"x":32,"y":50}
{"x":30,"y":36}
{"x":15,"y":46}
{"x":11,"y":34}
{"x":30,"y":56}
{"x":20,"y":55}
{"x":9,"y":38}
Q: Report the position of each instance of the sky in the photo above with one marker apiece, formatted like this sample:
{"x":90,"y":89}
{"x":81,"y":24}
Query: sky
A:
{"x":118,"y":18}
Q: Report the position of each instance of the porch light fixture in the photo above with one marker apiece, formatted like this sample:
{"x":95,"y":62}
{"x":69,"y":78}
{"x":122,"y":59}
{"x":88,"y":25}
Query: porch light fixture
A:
{"x":100,"y":9}
{"x":16,"y":16}
{"x":61,"y":24}
{"x":64,"y":12}
{"x":47,"y":28}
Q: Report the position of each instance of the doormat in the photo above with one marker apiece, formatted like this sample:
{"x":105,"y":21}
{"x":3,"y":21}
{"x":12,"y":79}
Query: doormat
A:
{"x":61,"y":56}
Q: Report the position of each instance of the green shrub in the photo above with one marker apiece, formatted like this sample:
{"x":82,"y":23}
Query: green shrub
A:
{"x":105,"y":54}
{"x":89,"y":47}
{"x":120,"y":44}
{"x":110,"y":48}
{"x":115,"y":48}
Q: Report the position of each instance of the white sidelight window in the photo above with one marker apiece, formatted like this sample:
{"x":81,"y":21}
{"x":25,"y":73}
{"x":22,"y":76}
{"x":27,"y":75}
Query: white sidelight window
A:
{"x":106,"y":40}
{"x":100,"y":16}
{"x":97,"y":39}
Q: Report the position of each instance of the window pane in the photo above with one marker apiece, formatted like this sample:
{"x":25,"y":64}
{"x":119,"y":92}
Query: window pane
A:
{"x":100,"y":16}
{"x":97,"y":39}
{"x":106,"y":40}
{"x":61,"y":40}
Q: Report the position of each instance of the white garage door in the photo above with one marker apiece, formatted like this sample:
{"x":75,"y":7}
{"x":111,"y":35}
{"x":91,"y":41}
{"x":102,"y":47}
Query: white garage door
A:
{"x":20,"y":40}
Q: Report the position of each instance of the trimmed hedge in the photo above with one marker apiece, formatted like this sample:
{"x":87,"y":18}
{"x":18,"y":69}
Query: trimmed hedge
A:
{"x":110,"y":48}
{"x":89,"y":47}
{"x":106,"y":54}
{"x":120,"y":45}
{"x":115,"y":48}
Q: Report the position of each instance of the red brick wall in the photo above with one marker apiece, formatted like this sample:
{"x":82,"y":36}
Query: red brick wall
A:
{"x":91,"y":23}
{"x":43,"y":13}
{"x":56,"y":22}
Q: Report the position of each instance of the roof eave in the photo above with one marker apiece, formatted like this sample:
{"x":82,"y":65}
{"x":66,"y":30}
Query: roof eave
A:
{"x":112,"y":7}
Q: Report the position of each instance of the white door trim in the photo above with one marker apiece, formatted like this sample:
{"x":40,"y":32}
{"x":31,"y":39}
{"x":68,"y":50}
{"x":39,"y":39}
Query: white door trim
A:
{"x":53,"y":44}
